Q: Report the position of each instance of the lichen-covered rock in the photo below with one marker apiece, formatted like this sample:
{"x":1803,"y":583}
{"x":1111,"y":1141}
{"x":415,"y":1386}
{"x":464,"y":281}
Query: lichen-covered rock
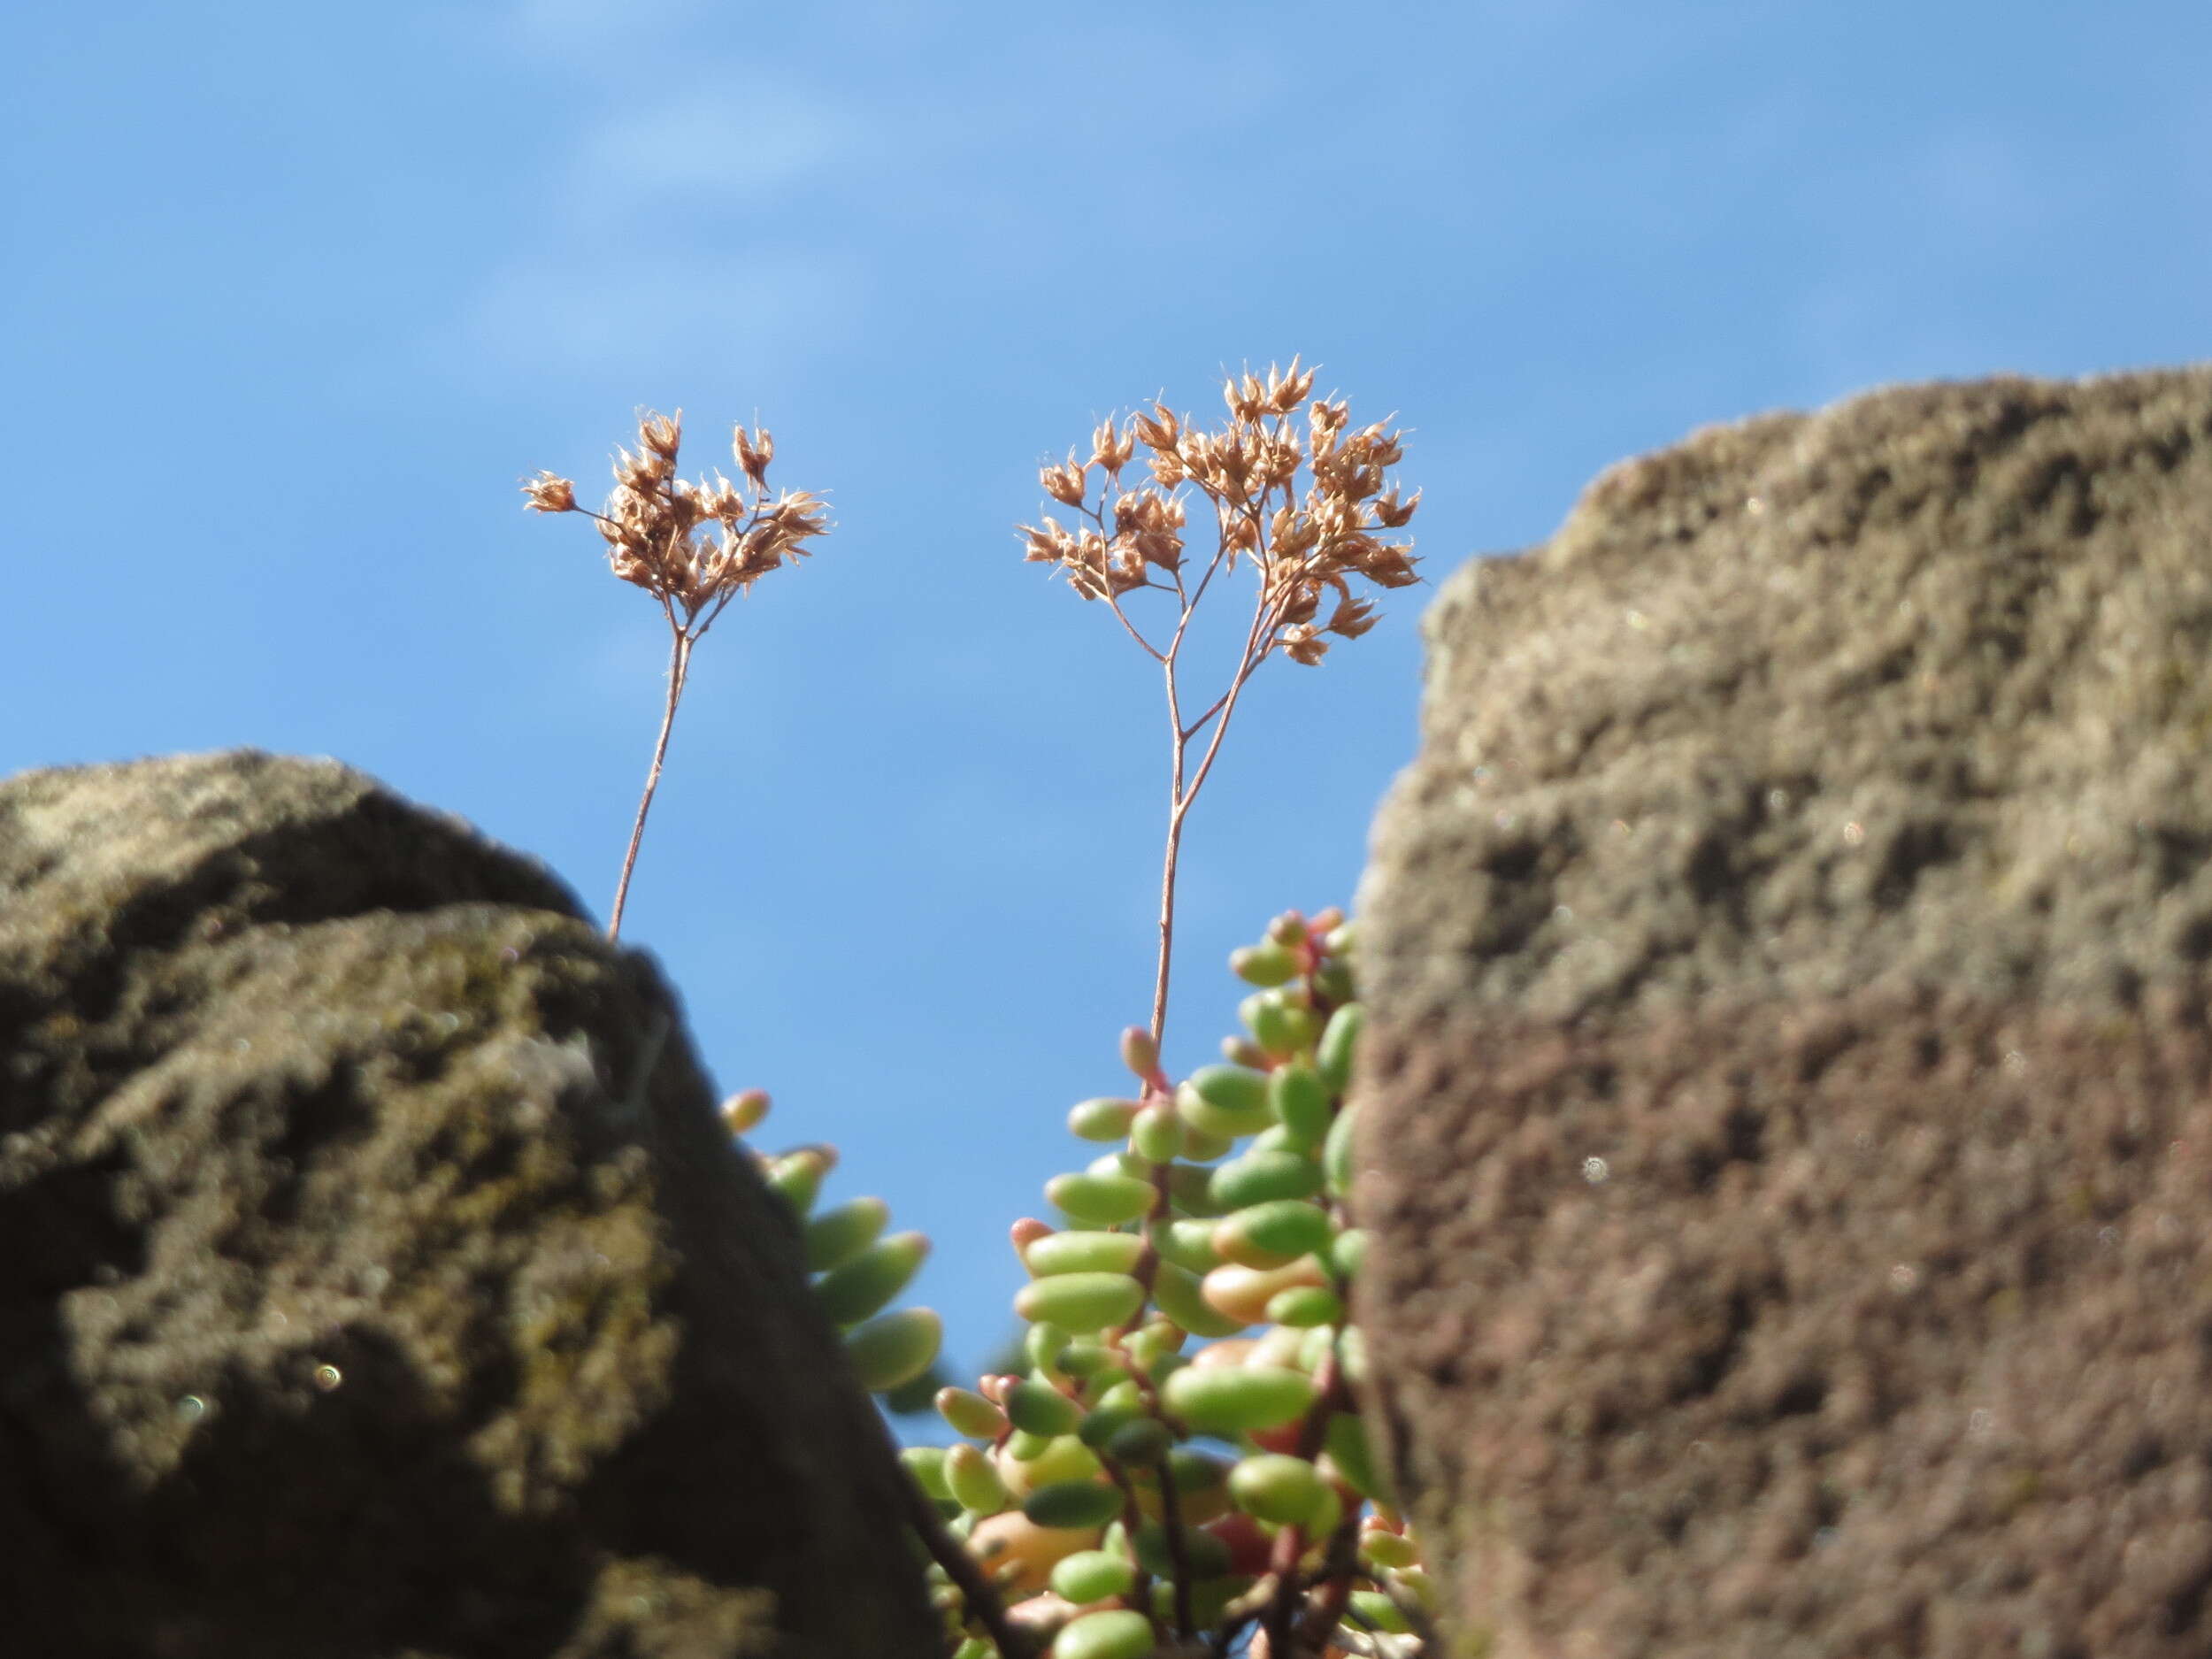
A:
{"x":1788,"y":1097}
{"x":375,"y":1276}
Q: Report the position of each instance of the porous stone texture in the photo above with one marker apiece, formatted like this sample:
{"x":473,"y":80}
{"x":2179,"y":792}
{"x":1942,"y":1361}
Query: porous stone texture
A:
{"x":1788,"y":1108}
{"x":375,"y":1276}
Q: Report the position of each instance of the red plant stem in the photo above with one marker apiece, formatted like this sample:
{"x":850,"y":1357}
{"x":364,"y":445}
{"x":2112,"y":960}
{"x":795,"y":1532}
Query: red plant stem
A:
{"x":1171,"y":1523}
{"x":1281,"y":1617}
{"x":678,"y":666}
{"x":1132,"y":1518}
{"x":1147,"y":1273}
{"x":1328,"y":1602}
{"x":1167,"y":899}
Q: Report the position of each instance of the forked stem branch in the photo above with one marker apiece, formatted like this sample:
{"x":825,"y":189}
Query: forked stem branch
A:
{"x":1260,"y":638}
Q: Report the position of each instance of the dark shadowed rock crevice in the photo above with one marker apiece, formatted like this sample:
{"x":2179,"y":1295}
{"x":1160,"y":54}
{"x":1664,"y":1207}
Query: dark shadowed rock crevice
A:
{"x":1788,"y":1097}
{"x":379,"y":1278}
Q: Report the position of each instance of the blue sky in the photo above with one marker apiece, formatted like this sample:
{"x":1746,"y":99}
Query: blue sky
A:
{"x":295,"y":295}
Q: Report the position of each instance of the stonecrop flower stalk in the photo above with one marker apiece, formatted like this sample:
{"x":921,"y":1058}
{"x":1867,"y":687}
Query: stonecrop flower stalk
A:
{"x":693,"y":547}
{"x":1091,"y":1489}
{"x":1304,"y":503}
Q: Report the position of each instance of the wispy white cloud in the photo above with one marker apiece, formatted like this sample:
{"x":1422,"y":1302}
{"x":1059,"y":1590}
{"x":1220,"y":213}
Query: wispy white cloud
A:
{"x":678,"y":115}
{"x":734,"y":144}
{"x":696,"y":317}
{"x":659,"y":259}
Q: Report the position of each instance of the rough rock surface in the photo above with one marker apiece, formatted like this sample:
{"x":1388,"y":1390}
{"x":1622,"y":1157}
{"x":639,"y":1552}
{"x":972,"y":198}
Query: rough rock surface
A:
{"x":1789,"y":1095}
{"x":375,"y":1276}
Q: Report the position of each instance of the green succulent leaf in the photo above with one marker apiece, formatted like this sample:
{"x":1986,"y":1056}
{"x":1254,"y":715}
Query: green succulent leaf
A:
{"x":1118,"y":1633}
{"x":1336,"y":1153}
{"x":969,"y":1413}
{"x":1100,"y":1200}
{"x":1038,"y":1407}
{"x":1339,"y":1044}
{"x":836,"y":1236}
{"x":1264,"y":964}
{"x":1072,"y":1503}
{"x":1301,"y":1102}
{"x":1081,"y":1302}
{"x":895,"y":1349}
{"x":1092,"y":1575}
{"x":1083,"y":1252}
{"x":1235,"y":1399}
{"x":1101,"y":1119}
{"x":866,"y":1284}
{"x":1262,"y":1176}
{"x":1278,"y":1487}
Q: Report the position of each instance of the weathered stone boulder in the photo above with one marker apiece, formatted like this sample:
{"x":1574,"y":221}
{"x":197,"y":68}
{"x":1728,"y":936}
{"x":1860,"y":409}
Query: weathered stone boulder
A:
{"x":375,"y":1276}
{"x":1789,"y":1096}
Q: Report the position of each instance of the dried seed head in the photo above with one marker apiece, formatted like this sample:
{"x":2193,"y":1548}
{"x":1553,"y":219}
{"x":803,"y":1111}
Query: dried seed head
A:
{"x":643,"y":473}
{"x":1068,"y":484}
{"x":1248,"y":397}
{"x":1390,"y":512}
{"x":1286,"y":393}
{"x":754,"y":451}
{"x":654,"y":521}
{"x":721,"y":500}
{"x":1112,"y":450}
{"x":547,"y":493}
{"x":1351,"y":617}
{"x":663,"y":435}
{"x":1303,"y":500}
{"x":1386,"y":565}
{"x":1300,"y":540}
{"x":1298,"y":597}
{"x":1042,"y":546}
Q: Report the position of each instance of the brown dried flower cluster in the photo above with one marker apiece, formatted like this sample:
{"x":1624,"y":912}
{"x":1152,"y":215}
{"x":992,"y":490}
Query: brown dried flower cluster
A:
{"x":692,"y":546}
{"x":1308,"y":503}
{"x":1308,"y":544}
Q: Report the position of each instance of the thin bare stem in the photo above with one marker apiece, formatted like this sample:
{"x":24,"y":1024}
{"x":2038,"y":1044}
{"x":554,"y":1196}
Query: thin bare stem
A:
{"x":1258,"y":638}
{"x":1167,"y":901}
{"x":1177,"y":1550}
{"x":678,"y":666}
{"x":1177,"y":804}
{"x":1199,"y":724}
{"x":1257,"y":643}
{"x":653,"y":528}
{"x":1150,"y":649}
{"x":961,"y":1567}
{"x":1206,"y":578}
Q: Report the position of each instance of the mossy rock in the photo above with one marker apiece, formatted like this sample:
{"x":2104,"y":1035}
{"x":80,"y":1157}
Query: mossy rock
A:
{"x":376,"y":1277}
